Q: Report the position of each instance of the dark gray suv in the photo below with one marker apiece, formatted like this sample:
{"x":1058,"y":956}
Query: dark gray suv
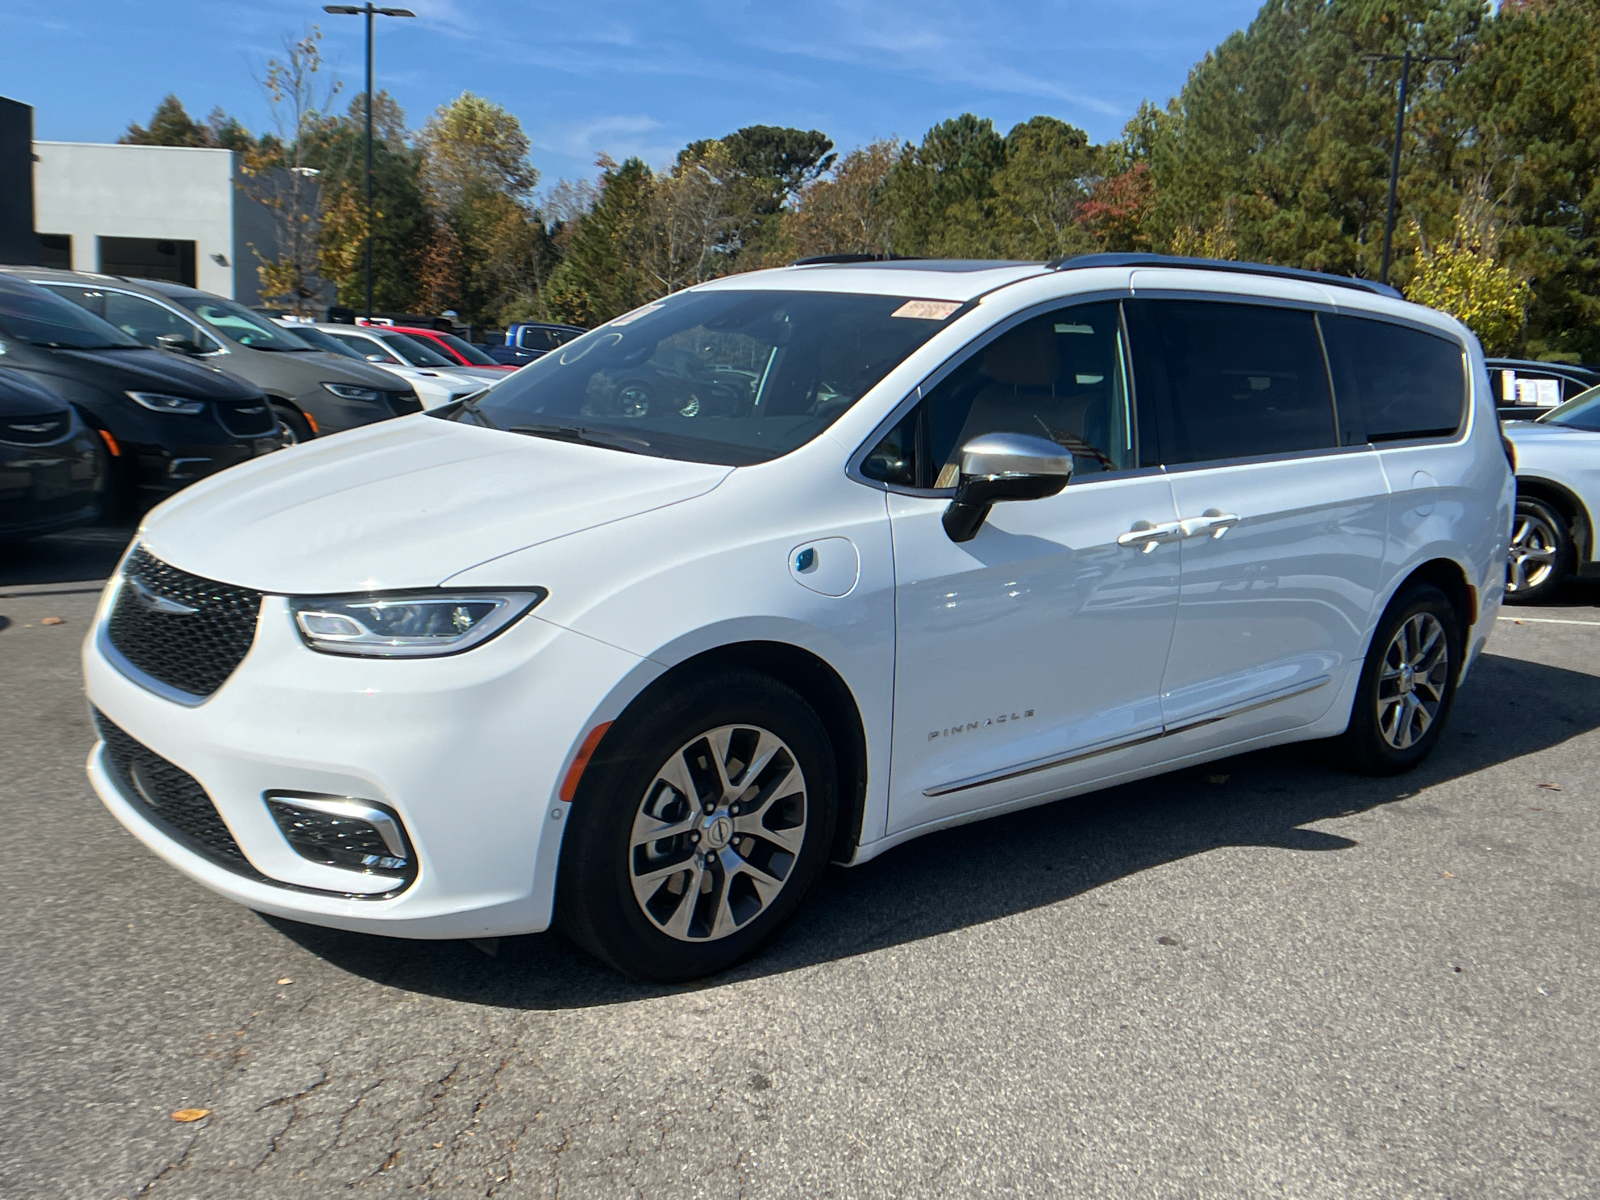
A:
{"x":313,"y":392}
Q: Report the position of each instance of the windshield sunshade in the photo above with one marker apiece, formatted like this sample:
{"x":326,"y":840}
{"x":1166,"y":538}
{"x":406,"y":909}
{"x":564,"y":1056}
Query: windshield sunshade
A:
{"x":730,"y":377}
{"x":243,"y":326}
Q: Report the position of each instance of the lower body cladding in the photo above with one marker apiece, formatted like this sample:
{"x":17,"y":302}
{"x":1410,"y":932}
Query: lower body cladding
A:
{"x":408,"y":797}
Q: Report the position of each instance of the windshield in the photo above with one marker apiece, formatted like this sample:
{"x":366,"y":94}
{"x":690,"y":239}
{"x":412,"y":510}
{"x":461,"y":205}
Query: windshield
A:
{"x":243,"y":326}
{"x":467,"y":350}
{"x":1581,"y":412}
{"x":731,"y":377}
{"x":414,"y":350}
{"x":35,"y":314}
{"x":323,"y":341}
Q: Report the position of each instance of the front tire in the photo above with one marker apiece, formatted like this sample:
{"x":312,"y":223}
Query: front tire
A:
{"x":1407,"y":686}
{"x":297,"y":430}
{"x":704,"y":817}
{"x":1541,"y":552}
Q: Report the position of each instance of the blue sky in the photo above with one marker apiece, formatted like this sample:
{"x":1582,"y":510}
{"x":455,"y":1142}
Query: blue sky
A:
{"x":628,"y":78}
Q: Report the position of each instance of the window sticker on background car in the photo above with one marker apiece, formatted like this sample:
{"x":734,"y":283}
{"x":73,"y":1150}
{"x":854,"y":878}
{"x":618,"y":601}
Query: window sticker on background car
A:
{"x":926,"y":310}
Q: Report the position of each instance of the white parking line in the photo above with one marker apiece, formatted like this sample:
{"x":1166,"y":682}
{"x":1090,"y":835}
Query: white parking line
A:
{"x":1545,"y":621}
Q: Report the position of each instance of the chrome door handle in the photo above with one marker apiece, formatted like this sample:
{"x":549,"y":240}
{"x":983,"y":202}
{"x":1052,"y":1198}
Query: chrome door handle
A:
{"x":1211,"y":523}
{"x":1147,"y":536}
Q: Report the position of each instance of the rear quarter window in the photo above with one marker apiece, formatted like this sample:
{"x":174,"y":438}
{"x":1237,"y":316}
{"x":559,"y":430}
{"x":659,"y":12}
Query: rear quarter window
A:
{"x":1402,"y":382}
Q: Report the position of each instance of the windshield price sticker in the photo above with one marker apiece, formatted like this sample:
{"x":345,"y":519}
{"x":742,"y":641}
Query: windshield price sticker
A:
{"x":927,"y":310}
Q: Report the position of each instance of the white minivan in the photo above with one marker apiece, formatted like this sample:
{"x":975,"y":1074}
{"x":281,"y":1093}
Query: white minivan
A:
{"x":793,"y":567}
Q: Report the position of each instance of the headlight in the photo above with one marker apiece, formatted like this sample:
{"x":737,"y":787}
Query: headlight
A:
{"x":408,"y":624}
{"x":157,"y":402}
{"x":346,"y":391}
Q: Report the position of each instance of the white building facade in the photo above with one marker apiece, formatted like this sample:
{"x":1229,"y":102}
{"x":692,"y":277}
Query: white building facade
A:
{"x":154,"y":212}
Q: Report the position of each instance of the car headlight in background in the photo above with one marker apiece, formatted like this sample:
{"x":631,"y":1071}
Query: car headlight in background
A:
{"x":408,"y":624}
{"x":347,"y":391}
{"x":157,"y":402}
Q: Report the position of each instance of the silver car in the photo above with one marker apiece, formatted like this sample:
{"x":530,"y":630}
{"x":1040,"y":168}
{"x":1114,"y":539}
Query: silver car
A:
{"x":313,"y":392}
{"x":1558,"y":492}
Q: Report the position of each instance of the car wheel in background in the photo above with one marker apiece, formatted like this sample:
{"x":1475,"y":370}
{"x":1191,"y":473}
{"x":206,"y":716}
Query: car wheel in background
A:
{"x":296,"y":428}
{"x":703,"y":818}
{"x":1407,"y":685}
{"x":1541,"y":552}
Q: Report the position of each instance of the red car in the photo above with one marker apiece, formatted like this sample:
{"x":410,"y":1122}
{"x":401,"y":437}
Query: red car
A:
{"x":452,"y":347}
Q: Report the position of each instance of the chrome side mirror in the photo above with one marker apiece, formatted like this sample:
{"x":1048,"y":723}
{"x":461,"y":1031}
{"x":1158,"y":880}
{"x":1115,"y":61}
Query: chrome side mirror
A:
{"x":1003,"y":466}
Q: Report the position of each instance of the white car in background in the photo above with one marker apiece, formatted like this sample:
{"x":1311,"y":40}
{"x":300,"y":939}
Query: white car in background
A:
{"x":434,"y":385}
{"x":411,"y":351}
{"x":1558,"y":491}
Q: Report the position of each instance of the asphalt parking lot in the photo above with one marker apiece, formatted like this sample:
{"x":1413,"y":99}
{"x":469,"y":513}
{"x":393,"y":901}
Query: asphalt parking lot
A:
{"x":1261,"y":978}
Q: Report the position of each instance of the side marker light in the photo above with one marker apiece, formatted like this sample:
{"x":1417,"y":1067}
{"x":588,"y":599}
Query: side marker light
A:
{"x":569,"y":785}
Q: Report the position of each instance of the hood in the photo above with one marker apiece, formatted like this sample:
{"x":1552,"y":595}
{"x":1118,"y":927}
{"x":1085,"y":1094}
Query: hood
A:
{"x":25,"y":395}
{"x":1529,"y":433}
{"x":304,"y":370}
{"x":153,"y":371}
{"x":404,"y":503}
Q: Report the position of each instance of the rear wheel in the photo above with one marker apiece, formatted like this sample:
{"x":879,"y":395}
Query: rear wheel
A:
{"x":1540,"y":555}
{"x":700,"y":824}
{"x":1407,"y":686}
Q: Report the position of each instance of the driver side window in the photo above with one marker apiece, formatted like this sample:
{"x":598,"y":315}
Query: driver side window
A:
{"x":1061,"y":376}
{"x":148,"y":321}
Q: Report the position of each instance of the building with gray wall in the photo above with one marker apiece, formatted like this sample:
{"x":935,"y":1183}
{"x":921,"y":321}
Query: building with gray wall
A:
{"x":154,"y":212}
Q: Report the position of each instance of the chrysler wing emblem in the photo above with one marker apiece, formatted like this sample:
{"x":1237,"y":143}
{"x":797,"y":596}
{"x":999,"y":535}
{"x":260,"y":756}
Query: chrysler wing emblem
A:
{"x":156,"y":602}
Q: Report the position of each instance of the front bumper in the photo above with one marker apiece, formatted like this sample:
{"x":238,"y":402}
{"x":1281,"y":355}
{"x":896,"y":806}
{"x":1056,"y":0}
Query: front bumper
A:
{"x":468,"y":751}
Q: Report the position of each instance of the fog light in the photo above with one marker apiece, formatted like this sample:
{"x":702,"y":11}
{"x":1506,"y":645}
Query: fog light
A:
{"x":336,"y":831}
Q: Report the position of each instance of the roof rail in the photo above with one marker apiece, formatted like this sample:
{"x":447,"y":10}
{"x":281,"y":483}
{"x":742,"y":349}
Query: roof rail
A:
{"x":818,"y":260}
{"x":1079,"y":261}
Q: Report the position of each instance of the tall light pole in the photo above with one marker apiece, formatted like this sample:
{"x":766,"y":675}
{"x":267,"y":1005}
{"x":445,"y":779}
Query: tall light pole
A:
{"x":1405,"y":60}
{"x":369,"y":11}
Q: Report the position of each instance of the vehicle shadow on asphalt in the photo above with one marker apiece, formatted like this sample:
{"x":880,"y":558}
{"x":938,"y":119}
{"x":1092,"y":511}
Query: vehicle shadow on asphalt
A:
{"x":87,"y":555}
{"x":993,"y":869}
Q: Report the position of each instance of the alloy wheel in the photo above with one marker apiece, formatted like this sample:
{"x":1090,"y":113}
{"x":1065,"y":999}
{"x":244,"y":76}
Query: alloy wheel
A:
{"x":717,"y":833}
{"x":1534,"y":545}
{"x":1412,"y":681}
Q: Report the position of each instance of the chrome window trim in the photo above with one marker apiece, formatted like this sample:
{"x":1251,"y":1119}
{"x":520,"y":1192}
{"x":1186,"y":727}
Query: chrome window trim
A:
{"x":1212,"y":464}
{"x":960,"y":355}
{"x":186,"y":318}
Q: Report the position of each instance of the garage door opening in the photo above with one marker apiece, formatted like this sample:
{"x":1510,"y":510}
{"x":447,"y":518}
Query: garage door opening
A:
{"x":148,"y":258}
{"x":55,"y":250}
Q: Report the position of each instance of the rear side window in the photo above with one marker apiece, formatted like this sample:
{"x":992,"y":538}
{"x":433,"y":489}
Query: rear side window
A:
{"x":1404,"y":383}
{"x":1233,"y":380}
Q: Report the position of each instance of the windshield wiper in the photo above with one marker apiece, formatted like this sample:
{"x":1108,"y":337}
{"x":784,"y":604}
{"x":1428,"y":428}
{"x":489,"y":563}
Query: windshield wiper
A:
{"x":589,"y":437}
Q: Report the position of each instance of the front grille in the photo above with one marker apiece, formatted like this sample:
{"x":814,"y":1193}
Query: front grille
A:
{"x":171,"y":799}
{"x":35,"y":431}
{"x":404,"y":403}
{"x":248,"y":420}
{"x":192,"y":651}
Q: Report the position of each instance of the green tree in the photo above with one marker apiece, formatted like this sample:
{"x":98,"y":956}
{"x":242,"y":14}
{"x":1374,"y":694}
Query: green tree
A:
{"x":938,"y":192}
{"x":1461,"y":278}
{"x":1039,"y":193}
{"x":402,"y":225}
{"x":602,"y":276}
{"x":171,"y":125}
{"x":479,"y":182}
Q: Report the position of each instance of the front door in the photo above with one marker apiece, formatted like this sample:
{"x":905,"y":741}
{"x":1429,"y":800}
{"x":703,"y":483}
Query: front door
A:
{"x":1026,"y":656}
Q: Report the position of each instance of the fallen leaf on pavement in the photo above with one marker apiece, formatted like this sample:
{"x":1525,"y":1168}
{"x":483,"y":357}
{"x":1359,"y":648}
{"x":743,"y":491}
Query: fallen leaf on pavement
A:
{"x":186,"y":1115}
{"x":285,"y":981}
{"x":1446,"y":875}
{"x":53,"y":621}
{"x":1551,"y":787}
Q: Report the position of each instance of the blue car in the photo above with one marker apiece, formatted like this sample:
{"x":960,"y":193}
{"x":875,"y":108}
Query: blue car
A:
{"x":527,"y":340}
